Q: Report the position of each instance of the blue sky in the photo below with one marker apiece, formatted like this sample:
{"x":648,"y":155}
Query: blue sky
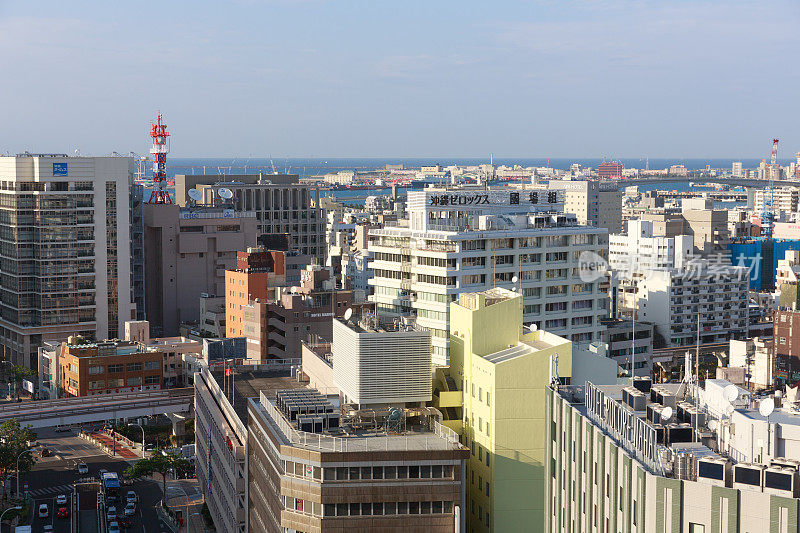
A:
{"x":569,"y":78}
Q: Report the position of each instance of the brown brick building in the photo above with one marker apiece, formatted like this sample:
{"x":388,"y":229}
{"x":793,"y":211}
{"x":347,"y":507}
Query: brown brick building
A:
{"x":108,"y":367}
{"x":786,"y":335}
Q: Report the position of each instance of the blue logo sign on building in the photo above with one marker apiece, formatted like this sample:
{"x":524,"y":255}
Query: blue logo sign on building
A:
{"x":59,"y":169}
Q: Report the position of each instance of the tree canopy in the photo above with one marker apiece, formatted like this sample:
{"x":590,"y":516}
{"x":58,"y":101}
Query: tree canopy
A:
{"x":159,"y":463}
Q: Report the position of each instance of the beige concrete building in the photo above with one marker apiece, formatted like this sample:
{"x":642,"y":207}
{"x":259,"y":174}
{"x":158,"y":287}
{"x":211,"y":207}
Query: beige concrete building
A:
{"x":66,"y":251}
{"x":187,"y":250}
{"x":595,"y":203}
{"x":282,"y":205}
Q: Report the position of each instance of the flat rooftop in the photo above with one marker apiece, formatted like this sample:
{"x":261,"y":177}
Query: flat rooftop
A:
{"x":250,"y":384}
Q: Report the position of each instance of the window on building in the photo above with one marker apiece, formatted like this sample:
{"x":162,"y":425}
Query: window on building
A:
{"x":134,"y":382}
{"x":134,"y":367}
{"x":118,"y":382}
{"x":152,"y":380}
{"x":97,"y":384}
{"x":97,"y":370}
{"x":113,"y":369}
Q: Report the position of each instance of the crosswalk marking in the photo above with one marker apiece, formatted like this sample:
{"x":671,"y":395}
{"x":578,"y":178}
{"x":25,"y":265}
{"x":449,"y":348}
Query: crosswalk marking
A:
{"x":65,"y":489}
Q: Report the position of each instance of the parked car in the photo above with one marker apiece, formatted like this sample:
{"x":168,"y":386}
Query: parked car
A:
{"x":63,"y":512}
{"x":83,"y":469}
{"x":43,"y":511}
{"x":61,"y":499}
{"x":111,"y":513}
{"x":130,"y":509}
{"x":131,"y":497}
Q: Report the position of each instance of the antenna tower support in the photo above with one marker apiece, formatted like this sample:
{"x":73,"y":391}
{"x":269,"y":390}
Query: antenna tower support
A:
{"x":160,"y":149}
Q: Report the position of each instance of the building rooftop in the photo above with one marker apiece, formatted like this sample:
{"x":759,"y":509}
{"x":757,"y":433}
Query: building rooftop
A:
{"x":388,"y":429}
{"x":250,"y":384}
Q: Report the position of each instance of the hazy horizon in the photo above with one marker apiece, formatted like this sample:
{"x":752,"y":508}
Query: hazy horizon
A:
{"x":298,"y":78}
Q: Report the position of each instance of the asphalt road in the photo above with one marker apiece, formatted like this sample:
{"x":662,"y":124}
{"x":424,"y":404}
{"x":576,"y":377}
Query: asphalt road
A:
{"x":56,"y":475}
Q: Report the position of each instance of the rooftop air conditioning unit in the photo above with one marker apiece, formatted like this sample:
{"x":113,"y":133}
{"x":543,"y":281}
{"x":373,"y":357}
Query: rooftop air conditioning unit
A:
{"x":781,"y":481}
{"x":715,"y":471}
{"x":747,"y":476}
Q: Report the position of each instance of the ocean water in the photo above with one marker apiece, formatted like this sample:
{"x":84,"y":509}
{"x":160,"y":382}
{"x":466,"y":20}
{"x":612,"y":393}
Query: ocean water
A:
{"x":318,"y":166}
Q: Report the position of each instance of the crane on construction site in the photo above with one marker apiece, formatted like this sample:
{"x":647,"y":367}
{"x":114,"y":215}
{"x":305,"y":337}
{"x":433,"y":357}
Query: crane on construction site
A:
{"x":767,"y":213}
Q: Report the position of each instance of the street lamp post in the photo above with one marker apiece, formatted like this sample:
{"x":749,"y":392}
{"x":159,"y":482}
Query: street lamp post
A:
{"x":142,"y":428}
{"x":178,"y":487}
{"x":18,"y":457}
{"x":15,"y":508}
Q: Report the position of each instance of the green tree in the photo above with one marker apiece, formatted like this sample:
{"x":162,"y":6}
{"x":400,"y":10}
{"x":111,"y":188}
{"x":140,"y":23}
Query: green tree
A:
{"x":14,"y":440}
{"x":17,"y":373}
{"x":161,"y":464}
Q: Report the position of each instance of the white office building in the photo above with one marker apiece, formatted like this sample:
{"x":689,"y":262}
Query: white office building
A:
{"x":472,"y":239}
{"x":595,"y":203}
{"x":784,"y":199}
{"x":633,"y":256}
{"x":672,"y":299}
{"x":66,"y":247}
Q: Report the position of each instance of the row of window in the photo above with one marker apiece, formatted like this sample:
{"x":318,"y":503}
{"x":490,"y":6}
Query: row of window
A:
{"x":122,"y":382}
{"x":120,"y":367}
{"x":356,"y":473}
{"x":387,"y":508}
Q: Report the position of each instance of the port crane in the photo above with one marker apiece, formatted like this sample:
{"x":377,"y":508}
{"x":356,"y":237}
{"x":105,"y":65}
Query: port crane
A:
{"x":767,"y":213}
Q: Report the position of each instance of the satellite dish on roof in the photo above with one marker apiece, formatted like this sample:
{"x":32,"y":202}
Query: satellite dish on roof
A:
{"x":712,"y":425}
{"x":767,"y":407}
{"x":195,"y":195}
{"x":348,"y":314}
{"x":514,"y":279}
{"x":731,"y":393}
{"x":293,"y":290}
{"x":666,"y":413}
{"x":532,"y":327}
{"x":225,"y":193}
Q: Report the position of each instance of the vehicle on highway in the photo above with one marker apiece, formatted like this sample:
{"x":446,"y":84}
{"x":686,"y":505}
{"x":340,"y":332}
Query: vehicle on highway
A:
{"x":63,"y":512}
{"x":125,"y":522}
{"x":61,"y":499}
{"x":62,"y":429}
{"x":113,"y":527}
{"x":131,"y":497}
{"x":83,"y":469}
{"x":43,"y":511}
{"x":130,"y":509}
{"x":111,"y":513}
{"x":48,"y":528}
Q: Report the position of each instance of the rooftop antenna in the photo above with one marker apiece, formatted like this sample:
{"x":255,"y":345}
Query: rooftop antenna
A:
{"x":160,"y":149}
{"x":765,"y":409}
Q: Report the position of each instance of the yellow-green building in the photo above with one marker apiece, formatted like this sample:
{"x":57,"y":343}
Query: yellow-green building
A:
{"x":494,"y":394}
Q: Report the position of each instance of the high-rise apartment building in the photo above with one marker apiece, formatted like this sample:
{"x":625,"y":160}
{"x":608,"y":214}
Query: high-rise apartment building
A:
{"x":466,"y":240}
{"x":674,"y":298}
{"x":66,"y":250}
{"x":783,"y":199}
{"x":736,"y":169}
{"x":283,"y":205}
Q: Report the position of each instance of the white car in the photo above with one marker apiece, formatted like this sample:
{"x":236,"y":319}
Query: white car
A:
{"x":113,"y":527}
{"x":83,"y":469}
{"x":61,"y":499}
{"x":130,"y":509}
{"x":43,"y":511}
{"x":111,"y":513}
{"x":131,"y":497}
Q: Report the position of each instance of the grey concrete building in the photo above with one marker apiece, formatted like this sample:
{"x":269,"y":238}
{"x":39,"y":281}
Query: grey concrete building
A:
{"x":187,"y":251}
{"x":282,"y":205}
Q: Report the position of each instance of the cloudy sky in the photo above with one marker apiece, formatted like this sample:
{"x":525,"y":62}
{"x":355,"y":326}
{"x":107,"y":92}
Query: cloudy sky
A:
{"x":560,"y":78}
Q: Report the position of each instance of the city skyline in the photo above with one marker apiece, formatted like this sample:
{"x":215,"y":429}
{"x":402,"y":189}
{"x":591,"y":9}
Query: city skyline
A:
{"x":533,"y":79}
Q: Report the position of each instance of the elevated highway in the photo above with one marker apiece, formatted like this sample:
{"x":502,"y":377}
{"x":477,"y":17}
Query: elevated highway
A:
{"x":85,"y":409}
{"x":734,"y":182}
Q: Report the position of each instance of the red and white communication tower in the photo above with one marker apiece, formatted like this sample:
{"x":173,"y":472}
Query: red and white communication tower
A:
{"x":160,"y":148}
